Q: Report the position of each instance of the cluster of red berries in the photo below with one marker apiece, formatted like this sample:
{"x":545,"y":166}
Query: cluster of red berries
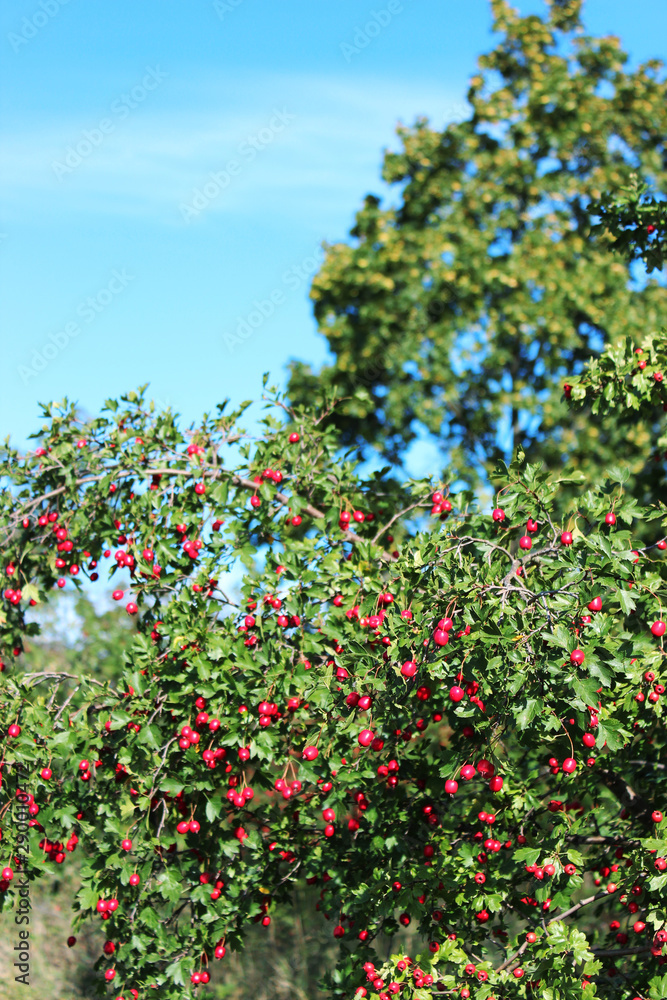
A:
{"x":442,"y":505}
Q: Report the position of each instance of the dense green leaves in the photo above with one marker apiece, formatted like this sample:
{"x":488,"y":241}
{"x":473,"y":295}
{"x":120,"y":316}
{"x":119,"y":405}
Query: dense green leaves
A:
{"x":335,"y":613}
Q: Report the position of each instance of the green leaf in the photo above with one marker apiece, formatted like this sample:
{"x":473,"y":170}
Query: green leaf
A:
{"x":87,"y":897}
{"x":213,"y":809}
{"x":171,"y":785}
{"x":626,"y":601}
{"x":30,"y":592}
{"x":526,"y":714}
{"x":658,"y":988}
{"x":529,"y":855}
{"x":586,"y":692}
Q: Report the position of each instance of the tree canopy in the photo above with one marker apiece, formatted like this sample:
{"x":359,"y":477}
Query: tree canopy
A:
{"x":456,"y":310}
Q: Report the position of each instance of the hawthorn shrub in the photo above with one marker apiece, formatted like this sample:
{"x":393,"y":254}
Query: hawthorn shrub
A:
{"x":446,"y":718}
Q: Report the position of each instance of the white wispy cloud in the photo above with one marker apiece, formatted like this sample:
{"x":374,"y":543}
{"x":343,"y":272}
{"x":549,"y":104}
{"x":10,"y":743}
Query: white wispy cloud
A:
{"x":152,"y":160}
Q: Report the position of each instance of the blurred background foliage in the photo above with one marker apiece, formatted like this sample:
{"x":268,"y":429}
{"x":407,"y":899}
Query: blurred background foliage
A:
{"x":455,"y":313}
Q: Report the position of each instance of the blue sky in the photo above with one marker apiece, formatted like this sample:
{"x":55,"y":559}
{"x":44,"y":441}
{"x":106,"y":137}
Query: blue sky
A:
{"x":170,"y":170}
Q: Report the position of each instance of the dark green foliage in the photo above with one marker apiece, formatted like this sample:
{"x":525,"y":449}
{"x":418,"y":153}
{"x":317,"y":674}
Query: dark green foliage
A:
{"x":457,"y":311}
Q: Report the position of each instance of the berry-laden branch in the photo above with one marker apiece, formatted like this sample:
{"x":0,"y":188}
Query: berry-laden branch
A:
{"x":203,"y":473}
{"x":419,"y":740}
